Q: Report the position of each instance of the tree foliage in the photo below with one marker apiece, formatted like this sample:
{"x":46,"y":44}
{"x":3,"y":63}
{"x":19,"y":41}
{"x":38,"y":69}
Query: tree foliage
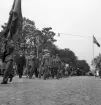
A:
{"x":96,"y":62}
{"x":68,"y":56}
{"x":83,"y":66}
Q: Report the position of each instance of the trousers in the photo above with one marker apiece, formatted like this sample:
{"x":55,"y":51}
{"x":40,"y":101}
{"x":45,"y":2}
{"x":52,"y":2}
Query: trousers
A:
{"x":8,"y":70}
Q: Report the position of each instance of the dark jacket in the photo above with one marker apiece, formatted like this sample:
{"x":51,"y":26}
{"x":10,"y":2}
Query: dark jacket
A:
{"x":8,"y":53}
{"x":36,"y":62}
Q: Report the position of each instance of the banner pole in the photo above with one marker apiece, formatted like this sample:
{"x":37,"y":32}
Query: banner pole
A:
{"x":93,"y":57}
{"x":93,"y":48}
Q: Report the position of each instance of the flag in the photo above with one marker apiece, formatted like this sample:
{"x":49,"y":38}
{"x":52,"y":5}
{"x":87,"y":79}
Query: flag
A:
{"x":14,"y":24}
{"x":95,"y":41}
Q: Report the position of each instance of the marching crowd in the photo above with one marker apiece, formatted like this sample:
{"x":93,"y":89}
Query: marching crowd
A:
{"x":46,"y":66}
{"x":43,"y":66}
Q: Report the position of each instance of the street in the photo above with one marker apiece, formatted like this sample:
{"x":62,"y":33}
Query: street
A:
{"x":68,"y":91}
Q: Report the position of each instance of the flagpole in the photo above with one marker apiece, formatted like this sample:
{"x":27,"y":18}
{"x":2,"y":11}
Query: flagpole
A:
{"x":93,"y":48}
{"x":93,"y":55}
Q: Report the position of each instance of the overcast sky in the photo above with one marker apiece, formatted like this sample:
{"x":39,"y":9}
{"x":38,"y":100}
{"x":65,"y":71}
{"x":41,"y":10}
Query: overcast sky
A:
{"x":75,"y":17}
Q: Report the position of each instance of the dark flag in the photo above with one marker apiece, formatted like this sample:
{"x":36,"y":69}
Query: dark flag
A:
{"x":95,"y":41}
{"x":14,"y":24}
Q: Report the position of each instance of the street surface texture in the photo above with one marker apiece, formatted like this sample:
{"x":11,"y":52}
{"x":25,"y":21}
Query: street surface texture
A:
{"x":68,"y":91}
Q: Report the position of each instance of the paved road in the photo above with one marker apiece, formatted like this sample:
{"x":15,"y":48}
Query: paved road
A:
{"x":68,"y":91}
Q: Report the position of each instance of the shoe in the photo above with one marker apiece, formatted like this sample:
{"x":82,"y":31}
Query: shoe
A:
{"x":10,"y":80}
{"x":4,"y":82}
{"x":20,"y":76}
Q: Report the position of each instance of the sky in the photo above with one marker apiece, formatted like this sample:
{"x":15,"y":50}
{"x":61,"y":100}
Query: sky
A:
{"x":71,"y":17}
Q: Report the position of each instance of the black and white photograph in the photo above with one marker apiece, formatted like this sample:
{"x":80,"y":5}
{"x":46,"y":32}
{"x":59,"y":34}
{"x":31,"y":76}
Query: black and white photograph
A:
{"x":50,"y":52}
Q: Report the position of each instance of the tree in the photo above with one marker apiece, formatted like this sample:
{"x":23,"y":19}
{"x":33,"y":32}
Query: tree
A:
{"x":82,"y":67}
{"x":68,"y":56}
{"x":26,"y":37}
{"x":23,"y":36}
{"x":47,"y":37}
{"x":96,"y":62}
{"x":44,"y":39}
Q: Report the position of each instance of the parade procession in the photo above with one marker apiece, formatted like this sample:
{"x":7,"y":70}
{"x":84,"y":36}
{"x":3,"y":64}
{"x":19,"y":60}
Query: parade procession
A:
{"x":50,"y":52}
{"x":41,"y":60}
{"x":15,"y":63}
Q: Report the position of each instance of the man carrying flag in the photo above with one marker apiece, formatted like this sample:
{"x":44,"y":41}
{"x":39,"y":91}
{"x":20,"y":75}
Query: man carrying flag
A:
{"x":14,"y":25}
{"x":95,"y":41}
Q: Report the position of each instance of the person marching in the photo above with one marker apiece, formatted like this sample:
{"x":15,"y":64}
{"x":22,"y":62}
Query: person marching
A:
{"x":57,"y":66}
{"x":45,"y":63}
{"x":14,"y":26}
{"x":8,"y":56}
